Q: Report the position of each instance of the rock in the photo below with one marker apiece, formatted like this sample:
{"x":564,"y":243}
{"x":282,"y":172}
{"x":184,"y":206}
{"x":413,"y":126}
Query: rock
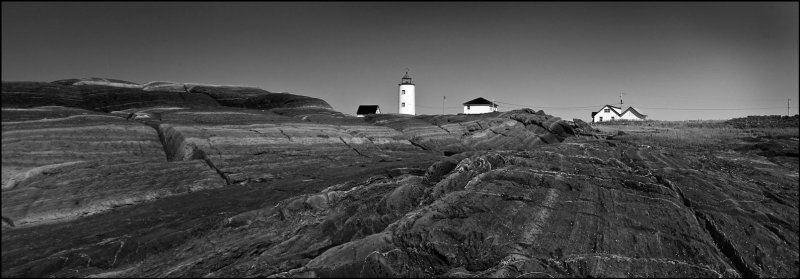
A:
{"x":420,"y":132}
{"x":108,"y":98}
{"x":435,"y":172}
{"x":266,"y":185}
{"x":265,"y":151}
{"x":80,"y":189}
{"x":37,"y":139}
{"x":23,"y":94}
{"x":101,"y":81}
{"x":106,"y":95}
{"x":254,"y":98}
{"x":573,"y":210}
{"x":583,"y":128}
{"x":452,"y":134}
{"x":166,"y":86}
{"x":63,"y":163}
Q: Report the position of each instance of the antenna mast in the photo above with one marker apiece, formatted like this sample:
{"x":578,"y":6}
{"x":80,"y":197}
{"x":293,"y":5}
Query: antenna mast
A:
{"x":443,"y":97}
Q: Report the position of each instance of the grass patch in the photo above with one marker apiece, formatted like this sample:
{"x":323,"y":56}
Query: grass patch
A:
{"x":691,"y":134}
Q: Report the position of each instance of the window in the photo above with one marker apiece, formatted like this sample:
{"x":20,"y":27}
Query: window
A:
{"x":601,"y":119}
{"x":403,"y":104}
{"x":403,"y":92}
{"x":467,"y":107}
{"x":612,"y":118}
{"x":607,"y":110}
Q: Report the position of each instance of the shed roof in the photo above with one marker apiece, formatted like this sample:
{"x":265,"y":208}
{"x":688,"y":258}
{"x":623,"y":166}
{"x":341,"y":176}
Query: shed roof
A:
{"x":479,"y":101}
{"x":367,"y":109}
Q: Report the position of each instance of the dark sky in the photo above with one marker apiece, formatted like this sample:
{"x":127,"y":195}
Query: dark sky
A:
{"x":675,"y":61}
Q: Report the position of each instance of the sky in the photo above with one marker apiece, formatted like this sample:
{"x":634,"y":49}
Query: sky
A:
{"x":672,"y":61}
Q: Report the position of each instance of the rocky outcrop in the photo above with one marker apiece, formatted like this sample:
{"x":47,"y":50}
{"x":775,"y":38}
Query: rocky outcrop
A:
{"x":96,"y":96}
{"x":27,"y":94}
{"x":165,"y":86}
{"x":64,"y":163}
{"x":264,"y":146}
{"x":239,"y":151}
{"x":421,"y":133}
{"x":106,"y":95}
{"x":582,"y":128}
{"x":99,"y":81}
{"x":254,"y":98}
{"x":80,"y":189}
{"x":36,"y":138}
{"x":516,"y":130}
{"x":108,"y":98}
{"x":570,"y":210}
{"x":190,"y":180}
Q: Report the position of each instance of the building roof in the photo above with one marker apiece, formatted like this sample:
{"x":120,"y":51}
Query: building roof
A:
{"x":479,"y":101}
{"x":635,"y":112}
{"x":367,"y":109}
{"x":619,"y":112}
{"x":615,"y":108}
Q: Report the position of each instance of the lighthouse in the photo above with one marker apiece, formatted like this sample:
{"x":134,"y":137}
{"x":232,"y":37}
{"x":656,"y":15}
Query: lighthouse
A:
{"x":406,"y":104}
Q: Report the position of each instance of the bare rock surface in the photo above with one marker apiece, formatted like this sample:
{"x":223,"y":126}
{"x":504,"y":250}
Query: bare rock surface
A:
{"x":255,"y":98}
{"x":570,"y":210}
{"x":26,"y":94}
{"x":35,"y":139}
{"x":515,"y":130}
{"x":98,"y":81}
{"x":106,"y":95}
{"x":263,"y":151}
{"x":79,"y":189}
{"x":95,"y":96}
{"x":64,"y":163}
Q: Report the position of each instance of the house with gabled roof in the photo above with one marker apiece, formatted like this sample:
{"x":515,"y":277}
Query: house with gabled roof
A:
{"x":479,"y":105}
{"x":367,"y":109}
{"x":615,"y":112}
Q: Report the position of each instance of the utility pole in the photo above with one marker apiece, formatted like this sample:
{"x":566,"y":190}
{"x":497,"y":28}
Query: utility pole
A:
{"x":787,"y":106}
{"x":443,"y":97}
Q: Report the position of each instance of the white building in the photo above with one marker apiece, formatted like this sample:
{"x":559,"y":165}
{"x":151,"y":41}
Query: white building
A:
{"x":479,"y":105}
{"x":615,"y":112}
{"x":406,"y":104}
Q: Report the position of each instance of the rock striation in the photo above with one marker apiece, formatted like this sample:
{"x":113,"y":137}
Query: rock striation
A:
{"x":262,"y":147}
{"x":37,"y":139}
{"x":106,"y":95}
{"x":516,"y":130}
{"x":570,"y":210}
{"x":77,"y":189}
{"x":255,"y":98}
{"x":64,"y":163}
{"x":27,"y":94}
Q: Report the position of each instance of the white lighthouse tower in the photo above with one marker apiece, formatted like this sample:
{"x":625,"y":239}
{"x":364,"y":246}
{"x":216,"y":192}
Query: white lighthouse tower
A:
{"x":406,"y":104}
